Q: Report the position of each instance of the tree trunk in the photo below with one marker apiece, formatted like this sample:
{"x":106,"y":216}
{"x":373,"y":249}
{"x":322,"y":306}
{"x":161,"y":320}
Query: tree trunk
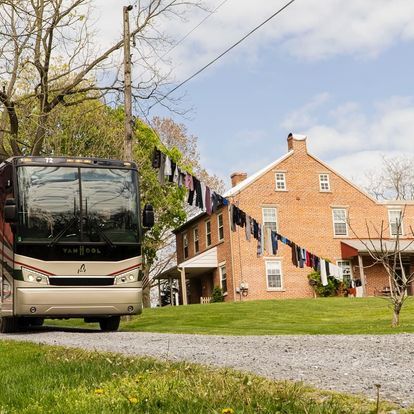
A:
{"x":396,"y":315}
{"x":146,"y":297}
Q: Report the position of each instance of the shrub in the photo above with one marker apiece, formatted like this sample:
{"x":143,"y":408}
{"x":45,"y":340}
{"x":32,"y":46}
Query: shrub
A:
{"x":217,"y":295}
{"x":331,"y":289}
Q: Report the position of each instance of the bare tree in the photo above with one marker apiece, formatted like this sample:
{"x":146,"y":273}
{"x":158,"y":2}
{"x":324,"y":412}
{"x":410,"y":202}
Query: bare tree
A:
{"x":49,"y":58}
{"x":395,"y":180}
{"x":389,"y":254}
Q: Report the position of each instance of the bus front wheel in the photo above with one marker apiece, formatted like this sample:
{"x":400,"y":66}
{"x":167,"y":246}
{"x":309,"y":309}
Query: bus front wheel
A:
{"x":9,"y":324}
{"x":110,"y":324}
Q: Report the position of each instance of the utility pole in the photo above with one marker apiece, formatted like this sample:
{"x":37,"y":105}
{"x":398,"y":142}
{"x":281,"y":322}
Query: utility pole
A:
{"x":127,"y":87}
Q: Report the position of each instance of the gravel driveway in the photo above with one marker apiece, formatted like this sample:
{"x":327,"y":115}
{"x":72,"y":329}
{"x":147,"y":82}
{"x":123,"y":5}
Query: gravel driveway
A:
{"x":335,"y":362}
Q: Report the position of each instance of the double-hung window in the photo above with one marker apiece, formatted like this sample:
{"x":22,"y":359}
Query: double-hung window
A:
{"x":220,"y":225}
{"x":185,"y":245}
{"x":324,"y":184}
{"x":340,"y":225}
{"x":223,"y":278}
{"x":345,"y":266}
{"x":274,"y":275}
{"x":196,"y":240}
{"x":208,"y":233}
{"x":280,"y":179}
{"x":395,"y":222}
{"x":269,"y":220}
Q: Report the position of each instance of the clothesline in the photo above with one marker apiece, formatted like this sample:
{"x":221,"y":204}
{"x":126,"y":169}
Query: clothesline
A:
{"x":201,"y":196}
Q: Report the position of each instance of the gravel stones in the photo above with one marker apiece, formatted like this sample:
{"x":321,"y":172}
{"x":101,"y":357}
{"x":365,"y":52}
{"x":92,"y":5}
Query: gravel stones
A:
{"x":347,"y":363}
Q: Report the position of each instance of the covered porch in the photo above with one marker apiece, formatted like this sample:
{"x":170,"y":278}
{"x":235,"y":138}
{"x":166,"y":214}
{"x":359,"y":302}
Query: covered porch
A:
{"x":195,"y":277}
{"x":372,"y":276}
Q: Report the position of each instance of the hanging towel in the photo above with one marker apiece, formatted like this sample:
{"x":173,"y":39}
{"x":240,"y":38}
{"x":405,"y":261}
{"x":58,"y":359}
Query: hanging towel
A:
{"x":294,"y":256}
{"x":268,"y":240}
{"x":167,"y":167}
{"x":308,"y":259}
{"x":259,"y":241}
{"x":274,"y":242}
{"x":156,"y":158}
{"x":248,"y":228}
{"x":208,"y":201}
{"x":232,"y":221}
{"x":324,"y":276}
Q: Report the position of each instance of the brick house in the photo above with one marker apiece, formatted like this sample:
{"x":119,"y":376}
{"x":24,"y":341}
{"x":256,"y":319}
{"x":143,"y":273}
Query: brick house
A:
{"x":305,"y":200}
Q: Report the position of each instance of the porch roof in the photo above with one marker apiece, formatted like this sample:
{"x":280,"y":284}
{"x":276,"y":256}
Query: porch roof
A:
{"x":194,"y":266}
{"x":351,"y":248}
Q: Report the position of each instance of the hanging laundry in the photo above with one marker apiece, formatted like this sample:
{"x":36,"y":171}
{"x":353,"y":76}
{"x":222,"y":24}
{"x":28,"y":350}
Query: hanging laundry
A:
{"x":214,"y":202}
{"x":324,"y":276}
{"x":188,"y":182}
{"x":156,"y":158}
{"x":248,"y":228}
{"x":274,"y":242}
{"x":294,"y":255}
{"x":176,"y":174}
{"x":259,"y":241}
{"x":173,"y":168}
{"x":161,"y":175}
{"x":167,"y":166}
{"x":207,"y":201}
{"x":301,"y":257}
{"x":232,"y":220}
{"x":181,"y":179}
{"x":203,"y":191}
{"x":268,"y":240}
{"x":308,"y":261}
{"x":199,"y":193}
{"x":255,"y":229}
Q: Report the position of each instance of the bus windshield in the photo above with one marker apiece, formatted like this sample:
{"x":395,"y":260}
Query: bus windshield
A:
{"x":75,"y":204}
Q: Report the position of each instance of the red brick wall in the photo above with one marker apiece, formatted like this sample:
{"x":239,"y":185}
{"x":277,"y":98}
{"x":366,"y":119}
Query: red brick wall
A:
{"x":304,"y":215}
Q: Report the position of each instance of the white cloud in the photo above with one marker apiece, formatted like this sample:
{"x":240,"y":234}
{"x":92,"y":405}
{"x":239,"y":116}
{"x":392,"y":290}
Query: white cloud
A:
{"x":353,"y":142}
{"x":311,"y":29}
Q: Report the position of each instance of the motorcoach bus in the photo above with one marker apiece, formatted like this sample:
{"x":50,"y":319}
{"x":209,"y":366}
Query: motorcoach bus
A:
{"x":70,"y":241}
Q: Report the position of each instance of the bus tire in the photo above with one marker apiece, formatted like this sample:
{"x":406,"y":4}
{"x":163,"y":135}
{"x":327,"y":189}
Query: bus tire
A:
{"x":9,"y":324}
{"x":110,"y":324}
{"x":36,"y":321}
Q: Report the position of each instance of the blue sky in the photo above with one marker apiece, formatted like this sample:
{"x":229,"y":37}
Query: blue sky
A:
{"x":339,"y":72}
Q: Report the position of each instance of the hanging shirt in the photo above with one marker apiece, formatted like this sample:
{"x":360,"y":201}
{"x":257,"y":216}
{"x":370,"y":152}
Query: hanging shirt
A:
{"x":173,"y":169}
{"x":181,"y":178}
{"x":214,"y":202}
{"x":188,"y":182}
{"x":203,"y":192}
{"x":156,"y":158}
{"x":199,"y":193}
{"x":294,"y":256}
{"x":324,"y":276}
{"x":232,"y":221}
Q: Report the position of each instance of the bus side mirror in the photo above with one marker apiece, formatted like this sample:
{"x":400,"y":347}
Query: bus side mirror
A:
{"x":10,"y":211}
{"x":148,"y":216}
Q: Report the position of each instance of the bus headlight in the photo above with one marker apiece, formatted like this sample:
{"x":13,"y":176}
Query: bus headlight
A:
{"x":34,"y":277}
{"x":127,"y":277}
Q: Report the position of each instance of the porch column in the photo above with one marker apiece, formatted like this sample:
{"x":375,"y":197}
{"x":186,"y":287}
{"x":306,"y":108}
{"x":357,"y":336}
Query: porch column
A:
{"x":362,"y":275}
{"x":171,"y":292}
{"x":183,"y":286}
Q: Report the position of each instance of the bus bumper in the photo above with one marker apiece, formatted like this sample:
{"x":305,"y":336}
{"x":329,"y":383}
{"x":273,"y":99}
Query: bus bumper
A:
{"x":77,"y":302}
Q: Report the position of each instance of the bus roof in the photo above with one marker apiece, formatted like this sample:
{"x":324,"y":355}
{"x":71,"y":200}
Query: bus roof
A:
{"x":71,"y":161}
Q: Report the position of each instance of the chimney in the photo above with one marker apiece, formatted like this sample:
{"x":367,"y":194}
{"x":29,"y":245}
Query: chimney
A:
{"x":237,"y":177}
{"x":297,"y":142}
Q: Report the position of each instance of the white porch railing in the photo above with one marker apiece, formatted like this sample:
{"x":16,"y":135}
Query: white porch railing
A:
{"x":205,"y":299}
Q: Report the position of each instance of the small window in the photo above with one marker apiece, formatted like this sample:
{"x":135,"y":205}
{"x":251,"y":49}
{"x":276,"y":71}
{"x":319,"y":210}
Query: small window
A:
{"x":324,"y":182}
{"x":340,"y":222}
{"x":346,"y":267}
{"x":196,"y":241}
{"x":220,"y":225}
{"x":280,"y":181}
{"x":274,"y":275}
{"x":223,"y":278}
{"x":395,"y":221}
{"x":185,"y":245}
{"x":208,"y":233}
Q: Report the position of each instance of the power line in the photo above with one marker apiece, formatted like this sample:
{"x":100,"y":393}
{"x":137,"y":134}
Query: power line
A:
{"x":188,"y":34}
{"x":222,"y":54}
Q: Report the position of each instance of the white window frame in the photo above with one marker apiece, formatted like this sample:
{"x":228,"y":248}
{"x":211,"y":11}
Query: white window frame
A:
{"x":267,"y":223}
{"x":324,"y":183}
{"x":221,"y":265}
{"x":208,"y":233}
{"x":391,"y":224}
{"x":268,"y":264}
{"x":196,"y":239}
{"x":334,"y":221}
{"x":280,"y":182}
{"x":220,"y":227}
{"x":344,"y":264}
{"x":185,"y":245}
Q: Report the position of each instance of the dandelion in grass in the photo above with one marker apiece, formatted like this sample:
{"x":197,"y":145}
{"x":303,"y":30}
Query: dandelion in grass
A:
{"x":227,"y":411}
{"x":133,"y":400}
{"x":99,"y":391}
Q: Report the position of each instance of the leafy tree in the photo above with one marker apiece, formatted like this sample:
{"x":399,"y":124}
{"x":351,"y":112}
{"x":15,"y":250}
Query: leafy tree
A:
{"x":331,"y":289}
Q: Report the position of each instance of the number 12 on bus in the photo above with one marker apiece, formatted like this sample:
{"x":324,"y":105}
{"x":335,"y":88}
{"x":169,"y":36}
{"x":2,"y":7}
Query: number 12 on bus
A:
{"x":71,"y":235}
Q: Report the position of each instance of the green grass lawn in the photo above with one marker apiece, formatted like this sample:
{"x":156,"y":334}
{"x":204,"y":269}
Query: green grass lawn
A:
{"x":38,"y":379}
{"x":275,"y":317}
